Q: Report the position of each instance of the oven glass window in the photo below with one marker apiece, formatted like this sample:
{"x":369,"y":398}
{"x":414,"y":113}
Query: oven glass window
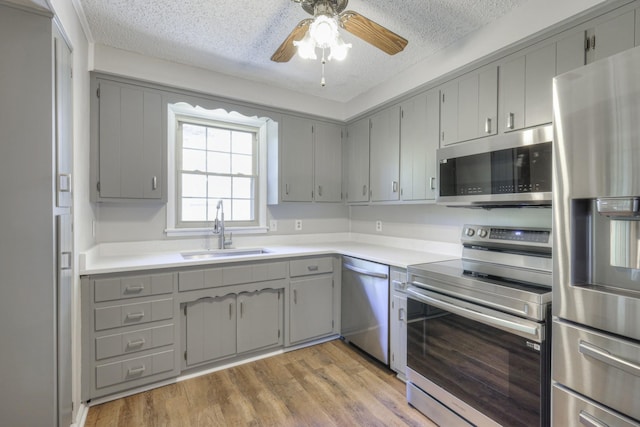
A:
{"x":496,"y":372}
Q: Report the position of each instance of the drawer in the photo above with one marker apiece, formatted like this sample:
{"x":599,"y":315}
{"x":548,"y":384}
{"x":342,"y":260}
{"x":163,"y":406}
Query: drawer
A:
{"x":131,"y":314}
{"x":131,"y":342}
{"x":602,"y":367}
{"x":309,"y":266}
{"x":132,"y":369}
{"x":129,"y":287}
{"x":199,"y":279}
{"x":573,"y":410}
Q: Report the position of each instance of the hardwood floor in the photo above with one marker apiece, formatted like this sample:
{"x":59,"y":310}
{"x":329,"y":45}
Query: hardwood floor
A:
{"x":330,"y":384}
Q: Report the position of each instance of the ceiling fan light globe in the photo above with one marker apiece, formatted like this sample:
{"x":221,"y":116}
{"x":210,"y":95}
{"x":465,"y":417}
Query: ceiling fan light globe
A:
{"x":339,"y":50}
{"x":306,"y":47}
{"x":324,"y":31}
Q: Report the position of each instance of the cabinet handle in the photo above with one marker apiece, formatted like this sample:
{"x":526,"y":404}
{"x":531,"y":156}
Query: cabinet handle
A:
{"x":487,"y":125}
{"x":312,"y":267}
{"x":241,"y":309}
{"x":319,"y":190}
{"x":154,"y":183}
{"x":286,"y":189}
{"x":394,"y":186}
{"x":230,"y":310}
{"x":364,"y":190}
{"x":135,"y":316}
{"x":137,"y":343}
{"x":135,"y":371}
{"x":593,"y":42}
{"x":510,"y":121}
{"x":432,"y":182}
{"x":64,"y":183}
{"x":590,"y":421}
{"x":133,"y":289}
{"x":295,"y":296}
{"x":65,"y":261}
{"x":401,"y":315}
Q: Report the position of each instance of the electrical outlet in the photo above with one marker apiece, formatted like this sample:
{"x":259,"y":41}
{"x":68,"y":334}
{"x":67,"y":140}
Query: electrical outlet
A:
{"x":378,"y":225}
{"x":273,"y":225}
{"x":298,"y":224}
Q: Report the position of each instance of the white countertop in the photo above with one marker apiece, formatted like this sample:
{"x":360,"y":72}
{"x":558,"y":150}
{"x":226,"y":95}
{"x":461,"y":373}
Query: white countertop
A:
{"x":124,"y":257}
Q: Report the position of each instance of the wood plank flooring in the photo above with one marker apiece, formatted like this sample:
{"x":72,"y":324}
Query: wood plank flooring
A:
{"x":330,"y":384}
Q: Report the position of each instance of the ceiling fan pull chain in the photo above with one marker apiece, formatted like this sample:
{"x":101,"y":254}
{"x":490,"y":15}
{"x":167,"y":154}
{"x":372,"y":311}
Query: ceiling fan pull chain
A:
{"x":323,"y":83}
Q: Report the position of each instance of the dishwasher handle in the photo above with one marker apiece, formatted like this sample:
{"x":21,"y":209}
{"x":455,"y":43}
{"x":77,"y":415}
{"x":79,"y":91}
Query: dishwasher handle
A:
{"x":365,"y":272}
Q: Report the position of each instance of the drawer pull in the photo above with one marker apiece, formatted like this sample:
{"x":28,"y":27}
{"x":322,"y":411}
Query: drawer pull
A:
{"x":608,"y":358}
{"x":135,"y":371}
{"x":133,"y":289}
{"x":591,"y":421}
{"x":137,"y":343}
{"x":295,"y":296}
{"x":135,"y":316}
{"x":312,"y":268}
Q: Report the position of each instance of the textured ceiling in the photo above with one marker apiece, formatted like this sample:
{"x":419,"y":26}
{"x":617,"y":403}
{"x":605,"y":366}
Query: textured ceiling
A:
{"x":238,"y":37}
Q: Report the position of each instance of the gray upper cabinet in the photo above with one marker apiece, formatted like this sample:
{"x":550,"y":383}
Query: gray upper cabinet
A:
{"x":385,"y":155}
{"x":297,"y":159}
{"x":526,"y":88}
{"x":570,"y":52}
{"x":130,"y":142}
{"x":311,"y":161}
{"x":419,"y":139}
{"x":357,"y":160}
{"x":469,"y":106}
{"x":327,"y":162}
{"x":610,"y":37}
{"x":63,"y":119}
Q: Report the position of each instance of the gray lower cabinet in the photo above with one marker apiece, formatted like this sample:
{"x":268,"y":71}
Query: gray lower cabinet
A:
{"x":260,"y":319}
{"x":312,"y":294}
{"x":129,"y":332}
{"x":398,"y":323}
{"x":385,"y":155}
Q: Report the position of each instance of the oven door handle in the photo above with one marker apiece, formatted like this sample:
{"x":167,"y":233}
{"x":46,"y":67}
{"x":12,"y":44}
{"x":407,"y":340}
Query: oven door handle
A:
{"x":504,"y":324}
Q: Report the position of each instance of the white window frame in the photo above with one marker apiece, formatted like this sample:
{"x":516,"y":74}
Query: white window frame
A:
{"x":181,"y":110}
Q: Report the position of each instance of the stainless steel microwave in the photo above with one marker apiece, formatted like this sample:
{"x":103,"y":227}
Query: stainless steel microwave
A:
{"x":513,"y":169}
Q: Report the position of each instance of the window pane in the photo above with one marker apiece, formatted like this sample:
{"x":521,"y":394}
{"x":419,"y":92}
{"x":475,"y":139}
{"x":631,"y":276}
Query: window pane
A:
{"x":241,"y":164}
{"x":243,"y":188}
{"x":194,"y":136}
{"x":194,"y":185}
{"x":219,"y":187}
{"x":194,"y":209}
{"x":219,"y":139}
{"x":242,"y":210}
{"x":242,"y":142}
{"x":219,"y":162}
{"x":194,"y":160}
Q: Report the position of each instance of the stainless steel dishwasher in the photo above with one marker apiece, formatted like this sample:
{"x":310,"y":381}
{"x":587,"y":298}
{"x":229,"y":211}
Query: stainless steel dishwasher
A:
{"x":365,"y":306}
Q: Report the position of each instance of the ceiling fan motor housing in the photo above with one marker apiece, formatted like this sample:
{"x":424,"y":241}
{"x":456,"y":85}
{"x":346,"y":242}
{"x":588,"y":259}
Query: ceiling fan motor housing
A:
{"x":323,"y":7}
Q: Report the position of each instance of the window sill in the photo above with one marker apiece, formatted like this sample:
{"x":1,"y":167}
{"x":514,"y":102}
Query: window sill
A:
{"x":180,"y":232}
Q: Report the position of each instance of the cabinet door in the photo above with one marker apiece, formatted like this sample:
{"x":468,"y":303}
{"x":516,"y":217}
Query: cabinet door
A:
{"x":297,"y":159}
{"x":488,"y":102}
{"x":398,"y":332}
{"x":539,"y":72}
{"x":613,"y":36}
{"x":311,"y":308}
{"x":63,"y":119}
{"x":328,"y":162}
{"x":210,"y":329}
{"x":512,"y":88}
{"x":259,"y":319}
{"x":130,"y":142}
{"x":468,"y":104}
{"x":385,"y":155}
{"x":358,"y":161}
{"x":449,"y":113}
{"x":570,"y":53}
{"x":419,"y":130}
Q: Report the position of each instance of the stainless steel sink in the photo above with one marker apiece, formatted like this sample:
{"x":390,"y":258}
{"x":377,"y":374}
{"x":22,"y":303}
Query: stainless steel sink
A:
{"x":219,"y":253}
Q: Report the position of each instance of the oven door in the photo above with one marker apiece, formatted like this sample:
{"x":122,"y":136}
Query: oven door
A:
{"x":488,"y":367}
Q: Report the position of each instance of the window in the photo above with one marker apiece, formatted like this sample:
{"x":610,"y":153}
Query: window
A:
{"x":216,"y":161}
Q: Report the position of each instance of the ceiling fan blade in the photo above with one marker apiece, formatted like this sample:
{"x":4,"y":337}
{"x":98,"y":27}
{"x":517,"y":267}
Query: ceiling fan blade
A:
{"x":286,"y":50}
{"x":373,"y":33}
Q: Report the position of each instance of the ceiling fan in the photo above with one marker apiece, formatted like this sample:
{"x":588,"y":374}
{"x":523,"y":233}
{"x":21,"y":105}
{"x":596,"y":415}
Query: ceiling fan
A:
{"x":327,"y":16}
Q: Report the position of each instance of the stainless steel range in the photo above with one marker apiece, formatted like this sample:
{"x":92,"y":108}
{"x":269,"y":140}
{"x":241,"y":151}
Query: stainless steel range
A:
{"x":478,"y":330}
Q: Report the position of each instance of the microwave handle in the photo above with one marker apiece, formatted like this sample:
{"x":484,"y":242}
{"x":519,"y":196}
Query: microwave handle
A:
{"x":504,"y":324}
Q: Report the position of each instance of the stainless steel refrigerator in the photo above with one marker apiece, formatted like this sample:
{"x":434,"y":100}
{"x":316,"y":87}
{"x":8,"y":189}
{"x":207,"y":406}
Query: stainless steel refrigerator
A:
{"x":596,"y":278}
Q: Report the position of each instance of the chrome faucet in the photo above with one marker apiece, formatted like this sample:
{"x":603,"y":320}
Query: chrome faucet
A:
{"x":218,"y":227}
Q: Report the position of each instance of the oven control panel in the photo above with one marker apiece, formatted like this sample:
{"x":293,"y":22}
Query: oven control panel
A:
{"x":483,"y":234}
